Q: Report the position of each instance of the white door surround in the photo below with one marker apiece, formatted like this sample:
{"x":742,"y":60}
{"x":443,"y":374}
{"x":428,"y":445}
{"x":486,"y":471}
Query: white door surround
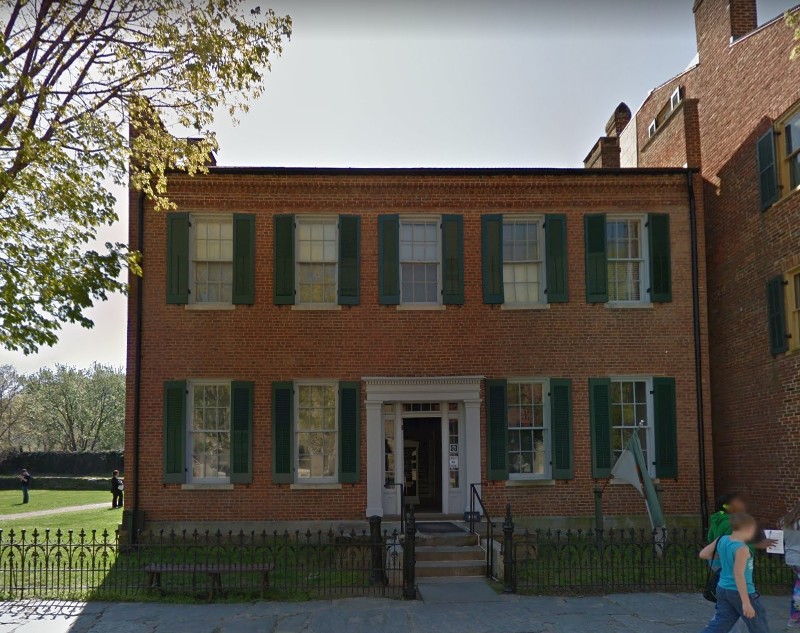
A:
{"x":464,"y":389}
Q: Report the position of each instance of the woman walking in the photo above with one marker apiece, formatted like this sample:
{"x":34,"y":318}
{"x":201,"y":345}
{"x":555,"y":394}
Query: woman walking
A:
{"x":736,"y":594}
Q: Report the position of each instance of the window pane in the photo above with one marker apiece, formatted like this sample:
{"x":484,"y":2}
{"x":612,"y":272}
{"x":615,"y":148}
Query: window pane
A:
{"x":210,"y":431}
{"x":212,"y":260}
{"x":316,"y":431}
{"x":419,"y":256}
{"x":624,"y":246}
{"x":793,"y":135}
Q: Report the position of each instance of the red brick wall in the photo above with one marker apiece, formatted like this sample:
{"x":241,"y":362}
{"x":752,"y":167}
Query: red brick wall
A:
{"x":741,"y":89}
{"x":265,"y":343}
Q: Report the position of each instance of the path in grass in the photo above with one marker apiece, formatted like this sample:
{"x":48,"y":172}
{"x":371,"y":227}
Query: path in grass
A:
{"x":44,"y":513}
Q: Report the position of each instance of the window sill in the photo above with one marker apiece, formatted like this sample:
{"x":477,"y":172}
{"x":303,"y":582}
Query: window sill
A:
{"x":421,"y":306}
{"x":523,"y":483}
{"x":201,"y":307}
{"x":621,"y":482}
{"x":315,"y":487}
{"x":629,"y":305}
{"x":316,"y":307}
{"x":207,"y":487}
{"x":525,"y":306}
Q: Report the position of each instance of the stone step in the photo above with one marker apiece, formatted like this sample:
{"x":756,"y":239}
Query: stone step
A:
{"x":460,"y":539}
{"x":450,"y":553}
{"x":439,"y":569}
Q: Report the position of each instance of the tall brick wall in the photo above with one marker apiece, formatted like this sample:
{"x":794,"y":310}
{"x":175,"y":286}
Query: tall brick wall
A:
{"x":266,"y":343}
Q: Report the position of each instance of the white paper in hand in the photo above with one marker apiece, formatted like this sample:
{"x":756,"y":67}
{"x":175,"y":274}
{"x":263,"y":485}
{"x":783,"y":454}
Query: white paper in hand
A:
{"x":775,"y":535}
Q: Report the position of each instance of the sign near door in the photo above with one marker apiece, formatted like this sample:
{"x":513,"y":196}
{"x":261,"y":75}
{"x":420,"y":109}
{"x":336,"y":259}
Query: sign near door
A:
{"x":454,"y":449}
{"x":453,"y":462}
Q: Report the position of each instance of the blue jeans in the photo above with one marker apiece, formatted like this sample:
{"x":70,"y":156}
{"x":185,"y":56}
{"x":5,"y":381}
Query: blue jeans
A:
{"x":24,"y":494}
{"x":729,"y":610}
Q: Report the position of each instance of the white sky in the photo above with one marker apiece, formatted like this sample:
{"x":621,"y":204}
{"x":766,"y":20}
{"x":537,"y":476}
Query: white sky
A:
{"x":434,"y":83}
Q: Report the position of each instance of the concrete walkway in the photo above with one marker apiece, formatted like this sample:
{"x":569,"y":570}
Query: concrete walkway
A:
{"x":640,"y":613}
{"x":44,"y":513}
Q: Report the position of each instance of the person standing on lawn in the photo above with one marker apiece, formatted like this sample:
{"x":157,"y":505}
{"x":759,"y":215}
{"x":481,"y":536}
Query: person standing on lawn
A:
{"x":25,"y":481}
{"x":791,"y":523}
{"x":116,"y":490}
{"x":736,"y":594}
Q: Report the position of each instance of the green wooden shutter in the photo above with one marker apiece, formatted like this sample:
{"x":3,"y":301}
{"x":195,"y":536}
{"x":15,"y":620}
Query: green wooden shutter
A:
{"x":600,"y":423}
{"x":666,"y":428}
{"x":244,"y":258}
{"x":660,"y":261}
{"x":561,"y":427}
{"x":596,"y":263}
{"x":555,"y":227}
{"x":767,"y":170}
{"x":776,"y":315}
{"x":492,"y":247}
{"x":497,"y":429}
{"x":241,"y":432}
{"x":389,"y":259}
{"x":178,"y":258}
{"x":174,"y":432}
{"x":349,"y":432}
{"x":284,"y":260}
{"x":453,"y":259}
{"x":349,"y":259}
{"x":282,"y":432}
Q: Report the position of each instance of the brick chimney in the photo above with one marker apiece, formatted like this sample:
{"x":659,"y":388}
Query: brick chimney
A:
{"x":720,"y":22}
{"x":618,"y":120}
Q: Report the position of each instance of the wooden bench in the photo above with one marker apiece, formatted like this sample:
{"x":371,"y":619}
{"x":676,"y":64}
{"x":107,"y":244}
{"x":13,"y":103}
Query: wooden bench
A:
{"x":213,"y":570}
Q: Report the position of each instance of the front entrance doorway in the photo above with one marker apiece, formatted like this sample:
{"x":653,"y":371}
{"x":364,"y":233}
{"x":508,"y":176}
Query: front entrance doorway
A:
{"x":422,"y":463}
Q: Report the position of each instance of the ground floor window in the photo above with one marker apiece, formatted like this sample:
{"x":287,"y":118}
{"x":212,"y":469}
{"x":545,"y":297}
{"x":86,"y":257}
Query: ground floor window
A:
{"x":210,"y":431}
{"x":528,"y":428}
{"x":631,"y":413}
{"x":390,"y":445}
{"x":316,"y":432}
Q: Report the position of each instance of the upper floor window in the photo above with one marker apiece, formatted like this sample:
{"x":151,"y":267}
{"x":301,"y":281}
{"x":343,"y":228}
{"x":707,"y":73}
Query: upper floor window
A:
{"x":523,"y":278}
{"x":794,"y":309}
{"x":209,"y":434}
{"x":626,"y":249}
{"x":420,"y":257}
{"x":778,"y":155}
{"x":791,"y":158}
{"x":212,"y":259}
{"x":528,"y":430}
{"x":316,"y":432}
{"x":317,"y":259}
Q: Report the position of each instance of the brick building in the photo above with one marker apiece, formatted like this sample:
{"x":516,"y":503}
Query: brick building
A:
{"x":734,"y":114}
{"x":308,"y":336}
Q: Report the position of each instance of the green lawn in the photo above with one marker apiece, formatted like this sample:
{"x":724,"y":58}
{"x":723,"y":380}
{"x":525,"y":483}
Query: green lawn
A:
{"x":101,"y":519}
{"x":11,"y":500}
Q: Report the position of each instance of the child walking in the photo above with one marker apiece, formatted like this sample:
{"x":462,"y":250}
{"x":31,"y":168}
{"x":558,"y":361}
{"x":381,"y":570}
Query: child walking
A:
{"x":736,"y":594}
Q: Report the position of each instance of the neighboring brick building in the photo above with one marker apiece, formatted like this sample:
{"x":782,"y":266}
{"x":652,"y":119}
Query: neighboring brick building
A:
{"x":735,"y":115}
{"x":310,"y":335}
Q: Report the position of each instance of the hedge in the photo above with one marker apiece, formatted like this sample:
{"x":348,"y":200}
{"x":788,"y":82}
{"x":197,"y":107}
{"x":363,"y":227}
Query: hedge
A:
{"x":62,"y":463}
{"x":59,"y":483}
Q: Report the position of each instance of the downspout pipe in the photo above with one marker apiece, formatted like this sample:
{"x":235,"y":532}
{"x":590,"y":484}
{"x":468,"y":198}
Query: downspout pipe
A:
{"x":698,"y":349}
{"x":137,"y":372}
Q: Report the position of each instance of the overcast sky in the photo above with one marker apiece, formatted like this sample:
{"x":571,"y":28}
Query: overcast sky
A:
{"x":435,"y":83}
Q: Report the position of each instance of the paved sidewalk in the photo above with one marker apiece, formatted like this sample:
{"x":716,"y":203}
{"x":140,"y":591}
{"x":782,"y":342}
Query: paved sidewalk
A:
{"x":628,"y":613}
{"x":44,"y":513}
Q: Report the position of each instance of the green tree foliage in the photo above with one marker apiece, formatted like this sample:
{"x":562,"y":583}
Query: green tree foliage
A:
{"x":74,"y":409}
{"x":11,"y":404}
{"x":793,"y":20}
{"x":74,"y":75}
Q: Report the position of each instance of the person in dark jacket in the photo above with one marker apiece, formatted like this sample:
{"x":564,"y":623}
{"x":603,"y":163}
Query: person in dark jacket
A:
{"x":25,"y":482}
{"x":116,"y":490}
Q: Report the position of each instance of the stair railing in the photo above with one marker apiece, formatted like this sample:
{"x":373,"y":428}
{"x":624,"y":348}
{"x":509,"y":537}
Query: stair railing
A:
{"x":474,"y":496}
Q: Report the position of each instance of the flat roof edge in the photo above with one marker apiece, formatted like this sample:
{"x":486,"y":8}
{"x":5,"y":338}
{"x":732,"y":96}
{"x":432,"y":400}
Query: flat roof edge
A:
{"x":449,"y":171}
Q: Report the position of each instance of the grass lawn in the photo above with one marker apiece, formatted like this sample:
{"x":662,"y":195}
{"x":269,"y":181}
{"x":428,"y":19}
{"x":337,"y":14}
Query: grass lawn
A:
{"x":11,"y":500}
{"x":101,"y":519}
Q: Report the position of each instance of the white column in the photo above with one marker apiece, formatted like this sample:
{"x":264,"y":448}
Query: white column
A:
{"x":374,"y":460}
{"x":472,"y":465}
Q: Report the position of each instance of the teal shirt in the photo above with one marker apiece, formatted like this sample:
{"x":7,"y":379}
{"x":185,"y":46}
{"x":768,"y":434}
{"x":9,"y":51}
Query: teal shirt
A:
{"x":726,"y":550}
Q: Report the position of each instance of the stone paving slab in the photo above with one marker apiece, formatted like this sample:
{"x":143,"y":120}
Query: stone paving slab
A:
{"x":457,"y":592}
{"x":628,"y":613}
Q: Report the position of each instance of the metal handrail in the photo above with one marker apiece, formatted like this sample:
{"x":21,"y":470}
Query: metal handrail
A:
{"x":474,"y":494}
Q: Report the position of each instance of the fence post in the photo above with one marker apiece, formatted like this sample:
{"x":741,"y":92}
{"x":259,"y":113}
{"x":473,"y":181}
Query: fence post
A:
{"x":598,"y":509}
{"x":508,"y":552}
{"x":376,"y":544}
{"x":410,"y":558}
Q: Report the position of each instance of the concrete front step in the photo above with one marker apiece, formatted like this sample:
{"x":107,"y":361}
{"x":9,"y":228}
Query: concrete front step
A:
{"x":450,"y":553}
{"x":439,"y":569}
{"x":459,"y":539}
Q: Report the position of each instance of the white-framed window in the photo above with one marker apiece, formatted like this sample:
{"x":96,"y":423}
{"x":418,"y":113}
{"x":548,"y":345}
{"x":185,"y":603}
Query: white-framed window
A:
{"x":791,"y":130}
{"x":420,"y":260}
{"x":675,"y":99}
{"x":528,"y":429}
{"x":523,"y":260}
{"x":652,"y":128}
{"x":626,"y":242}
{"x":316,"y":432}
{"x":212,"y":258}
{"x":209,"y":431}
{"x":317,"y":260}
{"x":632,"y":412}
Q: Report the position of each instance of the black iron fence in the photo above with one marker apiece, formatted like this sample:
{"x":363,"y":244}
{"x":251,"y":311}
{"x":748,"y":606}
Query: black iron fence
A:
{"x":608,"y":561}
{"x":81,"y":565}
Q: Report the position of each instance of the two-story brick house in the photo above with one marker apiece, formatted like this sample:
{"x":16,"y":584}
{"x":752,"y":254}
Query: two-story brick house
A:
{"x":734,"y":114}
{"x":302,"y":340}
